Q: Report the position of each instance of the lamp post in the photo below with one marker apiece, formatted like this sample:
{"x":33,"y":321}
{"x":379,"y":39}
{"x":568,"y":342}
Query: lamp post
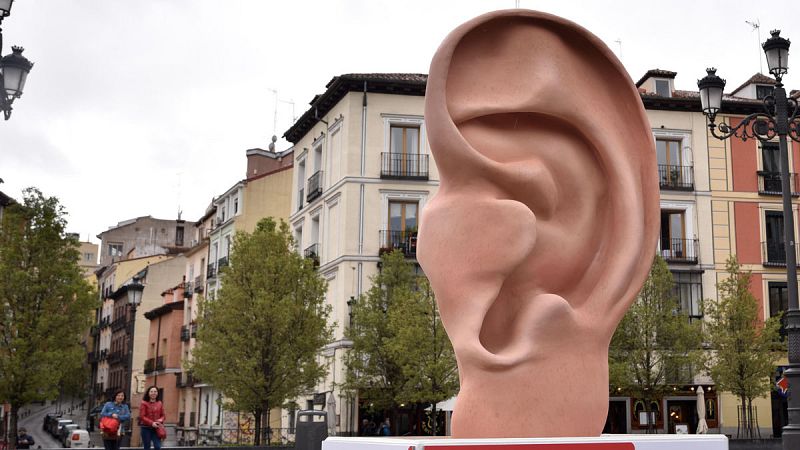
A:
{"x":777,"y":120}
{"x":134,"y":290}
{"x":14,"y":68}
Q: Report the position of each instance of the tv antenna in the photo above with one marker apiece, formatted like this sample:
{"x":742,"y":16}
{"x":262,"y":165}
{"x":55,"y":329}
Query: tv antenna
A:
{"x":276,"y":100}
{"x":757,"y":28}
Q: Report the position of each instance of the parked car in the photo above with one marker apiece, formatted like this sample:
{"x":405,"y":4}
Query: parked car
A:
{"x":55,"y":428}
{"x":66,"y":432}
{"x":78,"y":439}
{"x":49,"y":418}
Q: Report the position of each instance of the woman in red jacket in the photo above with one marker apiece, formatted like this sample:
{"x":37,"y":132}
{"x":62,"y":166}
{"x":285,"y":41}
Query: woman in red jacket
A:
{"x":151,"y":418}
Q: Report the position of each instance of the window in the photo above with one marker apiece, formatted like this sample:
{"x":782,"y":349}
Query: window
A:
{"x":688,"y":290}
{"x":402,"y":232}
{"x":778,"y":303}
{"x":770,"y":157}
{"x":404,"y":149}
{"x":773,"y":231}
{"x":763,"y":91}
{"x":672,"y":172}
{"x":114,"y":249}
{"x":673,"y":242}
{"x":88,"y":256}
{"x":403,"y":216}
{"x":769,"y":178}
{"x":235,"y":205}
{"x":662,"y":88}
{"x":179,"y":236}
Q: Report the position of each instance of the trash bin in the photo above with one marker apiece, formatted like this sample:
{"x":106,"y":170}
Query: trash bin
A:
{"x":309,"y":433}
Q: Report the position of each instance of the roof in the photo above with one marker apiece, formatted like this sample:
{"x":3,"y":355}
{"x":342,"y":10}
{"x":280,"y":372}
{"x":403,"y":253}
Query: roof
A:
{"x":758,"y":78}
{"x":5,"y":200}
{"x":164,"y":309}
{"x":656,"y":73}
{"x":339,"y":86}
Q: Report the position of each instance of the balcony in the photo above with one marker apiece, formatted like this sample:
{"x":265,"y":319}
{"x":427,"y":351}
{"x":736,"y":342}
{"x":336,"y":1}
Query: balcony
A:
{"x":314,"y":186}
{"x":187,"y":289}
{"x":95,"y":330}
{"x":312,"y":253}
{"x":193,"y":328}
{"x":773,"y":254}
{"x":150,"y":366}
{"x":679,"y":251}
{"x":404,"y":166}
{"x":184,"y":333}
{"x":405,"y":241}
{"x":115,"y":357}
{"x":222,"y":262}
{"x":119,"y":324}
{"x":160,"y":365}
{"x":184,"y":379}
{"x":198,"y":284}
{"x":678,"y":178}
{"x":103,"y":355}
{"x":769,"y":183}
{"x":211,"y":271}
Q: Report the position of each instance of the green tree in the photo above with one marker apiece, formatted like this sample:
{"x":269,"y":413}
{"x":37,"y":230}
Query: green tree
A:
{"x":655,"y":345}
{"x":745,"y":349}
{"x":371,"y":369}
{"x":45,"y":303}
{"x":258,"y":341}
{"x":401,"y":353}
{"x":421,"y":348}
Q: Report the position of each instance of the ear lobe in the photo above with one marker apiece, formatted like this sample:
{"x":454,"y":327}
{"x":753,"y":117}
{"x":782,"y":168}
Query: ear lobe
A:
{"x":529,"y":107}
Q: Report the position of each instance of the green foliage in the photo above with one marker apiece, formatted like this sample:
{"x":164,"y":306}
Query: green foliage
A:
{"x":655,"y":342}
{"x":258,"y":341}
{"x":401,"y":352}
{"x":745,"y":349}
{"x":45,"y":303}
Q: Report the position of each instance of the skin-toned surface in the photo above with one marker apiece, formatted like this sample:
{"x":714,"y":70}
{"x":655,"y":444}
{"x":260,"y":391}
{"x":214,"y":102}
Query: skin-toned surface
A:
{"x":545,"y":222}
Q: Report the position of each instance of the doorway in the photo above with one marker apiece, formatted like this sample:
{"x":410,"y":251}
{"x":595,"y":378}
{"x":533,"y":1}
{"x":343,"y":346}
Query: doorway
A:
{"x":682,"y":416}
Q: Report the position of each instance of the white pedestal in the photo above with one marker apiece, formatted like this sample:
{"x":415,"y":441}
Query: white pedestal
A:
{"x":606,"y":442}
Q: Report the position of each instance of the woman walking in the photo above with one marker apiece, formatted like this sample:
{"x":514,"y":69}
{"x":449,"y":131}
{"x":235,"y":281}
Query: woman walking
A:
{"x":151,"y":419}
{"x":111,"y":417}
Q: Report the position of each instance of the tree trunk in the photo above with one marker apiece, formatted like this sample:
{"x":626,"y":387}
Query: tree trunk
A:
{"x":257,"y":417}
{"x":11,"y":436}
{"x":433,"y":415}
{"x":745,"y":419}
{"x":265,"y":421}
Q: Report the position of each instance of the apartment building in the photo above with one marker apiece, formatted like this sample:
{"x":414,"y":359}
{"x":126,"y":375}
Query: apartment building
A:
{"x":363,"y":171}
{"x":142,"y":236}
{"x":264,"y":192}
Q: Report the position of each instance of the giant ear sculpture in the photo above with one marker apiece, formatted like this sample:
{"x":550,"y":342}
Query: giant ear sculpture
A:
{"x":545,"y":223}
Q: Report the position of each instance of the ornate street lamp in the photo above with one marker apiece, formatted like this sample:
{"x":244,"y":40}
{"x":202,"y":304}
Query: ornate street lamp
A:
{"x":14,"y":68}
{"x":779,"y":119}
{"x":134,"y":290}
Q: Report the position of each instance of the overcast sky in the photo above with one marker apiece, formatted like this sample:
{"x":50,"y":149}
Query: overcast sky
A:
{"x":140,"y":107}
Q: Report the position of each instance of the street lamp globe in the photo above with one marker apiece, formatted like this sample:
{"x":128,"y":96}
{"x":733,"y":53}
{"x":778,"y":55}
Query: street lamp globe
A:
{"x":135,"y":289}
{"x":777,"y":51}
{"x":15,"y":69}
{"x":711,"y":87}
{"x":5,"y":8}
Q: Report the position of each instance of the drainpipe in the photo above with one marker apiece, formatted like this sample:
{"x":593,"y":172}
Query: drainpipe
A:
{"x":363,"y":171}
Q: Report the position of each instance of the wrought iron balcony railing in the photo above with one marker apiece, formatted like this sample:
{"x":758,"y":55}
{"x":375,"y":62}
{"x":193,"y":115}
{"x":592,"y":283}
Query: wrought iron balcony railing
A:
{"x":150,"y":365}
{"x":314,"y":186}
{"x":187,"y":289}
{"x":773,"y":254}
{"x":769,"y":183}
{"x":222,"y":262}
{"x":404,"y":166}
{"x":211,"y":271}
{"x":676,"y":177}
{"x":161,"y":362}
{"x":405,"y":241}
{"x":185,"y":333}
{"x":312,"y":252}
{"x":679,"y":251}
{"x":198,"y":283}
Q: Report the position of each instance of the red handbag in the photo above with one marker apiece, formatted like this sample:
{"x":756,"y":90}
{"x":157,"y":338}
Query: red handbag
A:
{"x":109,"y":425}
{"x":161,"y":432}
